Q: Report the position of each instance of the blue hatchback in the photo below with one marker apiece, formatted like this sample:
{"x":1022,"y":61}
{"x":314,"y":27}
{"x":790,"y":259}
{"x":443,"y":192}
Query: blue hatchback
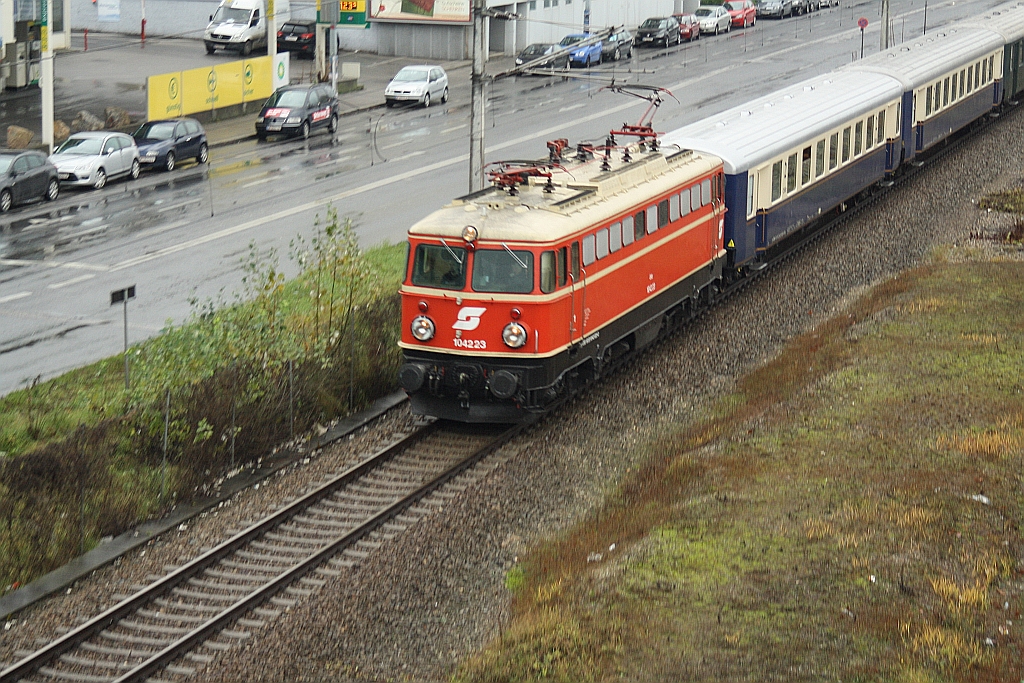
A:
{"x":585,"y":55}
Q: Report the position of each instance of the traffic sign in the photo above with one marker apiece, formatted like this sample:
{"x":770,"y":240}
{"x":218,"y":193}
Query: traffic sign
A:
{"x":863,"y":23}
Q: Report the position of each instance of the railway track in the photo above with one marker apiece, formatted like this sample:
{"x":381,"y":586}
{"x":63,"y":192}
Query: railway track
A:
{"x":176,"y":625}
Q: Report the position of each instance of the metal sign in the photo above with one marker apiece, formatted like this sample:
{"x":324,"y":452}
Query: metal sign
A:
{"x":118,"y":296}
{"x":863,"y":23}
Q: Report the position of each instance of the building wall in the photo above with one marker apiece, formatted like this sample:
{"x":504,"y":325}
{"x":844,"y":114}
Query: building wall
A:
{"x":185,"y":18}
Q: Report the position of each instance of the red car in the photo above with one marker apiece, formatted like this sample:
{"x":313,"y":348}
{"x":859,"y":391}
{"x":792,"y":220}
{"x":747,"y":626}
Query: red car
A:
{"x":743,"y":12}
{"x":689,"y":27}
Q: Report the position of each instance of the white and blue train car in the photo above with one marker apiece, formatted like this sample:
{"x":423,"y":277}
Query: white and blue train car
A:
{"x":798,"y":153}
{"x":950,"y":79}
{"x":1008,"y":21}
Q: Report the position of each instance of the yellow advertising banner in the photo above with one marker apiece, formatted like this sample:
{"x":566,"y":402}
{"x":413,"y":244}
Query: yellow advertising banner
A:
{"x":164,"y":93}
{"x":199,"y":89}
{"x":228,"y":85}
{"x":257,"y":79}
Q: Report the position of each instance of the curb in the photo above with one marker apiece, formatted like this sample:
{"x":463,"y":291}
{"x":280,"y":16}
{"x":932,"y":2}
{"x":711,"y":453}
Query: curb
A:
{"x":107,"y":552}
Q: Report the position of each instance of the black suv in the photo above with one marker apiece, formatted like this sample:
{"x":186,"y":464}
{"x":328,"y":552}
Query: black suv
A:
{"x":664,"y":30}
{"x":298,"y":36}
{"x":297,"y":109}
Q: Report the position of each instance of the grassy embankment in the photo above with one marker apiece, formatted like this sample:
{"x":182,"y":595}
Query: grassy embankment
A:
{"x":81,"y":458}
{"x":851,"y":512}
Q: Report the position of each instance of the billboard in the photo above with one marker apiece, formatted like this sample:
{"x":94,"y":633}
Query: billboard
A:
{"x":180,"y":93}
{"x":421,"y":11}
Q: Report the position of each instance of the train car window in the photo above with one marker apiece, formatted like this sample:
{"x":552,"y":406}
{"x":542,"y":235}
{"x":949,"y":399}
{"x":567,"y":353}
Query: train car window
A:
{"x":791,"y":173}
{"x":639,"y":225}
{"x":574,"y":261}
{"x":963,"y":73}
{"x":750,"y":195}
{"x":662,"y":213}
{"x":705,"y":193}
{"x":547,"y":272}
{"x":869,"y":139}
{"x":695,"y":198}
{"x":938,"y":97}
{"x":776,"y":180}
{"x":436,"y":265}
{"x":833,"y":151}
{"x":503,"y":270}
{"x":589,"y":255}
{"x":881,"y":126}
{"x":970,"y":79}
{"x":615,"y":238}
{"x":561,"y":266}
{"x":858,"y":138}
{"x":991,"y":61}
{"x":977,"y":76}
{"x":652,"y":218}
{"x":928,"y":106}
{"x":684,"y":202}
{"x":819,"y":158}
{"x":945,"y":92}
{"x":602,"y":243}
{"x":952,"y":97}
{"x":805,"y":173}
{"x":627,"y":231}
{"x":846,"y":144}
{"x":673,"y":208}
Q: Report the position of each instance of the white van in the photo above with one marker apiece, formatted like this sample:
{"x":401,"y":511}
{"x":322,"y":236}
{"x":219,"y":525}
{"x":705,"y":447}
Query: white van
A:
{"x":241,"y":25}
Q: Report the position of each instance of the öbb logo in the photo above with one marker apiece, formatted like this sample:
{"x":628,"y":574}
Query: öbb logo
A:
{"x":469,"y":318}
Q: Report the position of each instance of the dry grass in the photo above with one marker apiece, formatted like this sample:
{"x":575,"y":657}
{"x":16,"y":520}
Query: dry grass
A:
{"x":852,"y":512}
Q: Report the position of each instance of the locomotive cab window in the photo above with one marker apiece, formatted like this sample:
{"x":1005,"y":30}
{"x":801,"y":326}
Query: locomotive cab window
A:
{"x":574,"y":261}
{"x":639,"y":225}
{"x":561,"y":268}
{"x":705,"y":193}
{"x":436,"y":265}
{"x":503,"y":271}
{"x":695,"y":198}
{"x":662,"y":213}
{"x":547,"y":272}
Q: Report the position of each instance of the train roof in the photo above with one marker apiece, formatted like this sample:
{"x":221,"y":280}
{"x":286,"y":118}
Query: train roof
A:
{"x":583,"y":197}
{"x":752,"y":133}
{"x":921,"y":60}
{"x":1007,"y":20}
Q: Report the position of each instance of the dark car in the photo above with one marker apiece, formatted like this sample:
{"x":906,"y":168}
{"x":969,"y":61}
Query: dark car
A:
{"x":162,"y":144}
{"x":297,"y":110}
{"x":617,"y":45}
{"x":689,"y":26}
{"x":24,"y":176}
{"x":298,"y":36}
{"x":538,"y":50}
{"x":664,"y":30}
{"x":776,"y":8}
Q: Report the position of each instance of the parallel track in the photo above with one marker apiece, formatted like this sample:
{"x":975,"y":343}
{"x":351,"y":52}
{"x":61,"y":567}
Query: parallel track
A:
{"x":175,"y":626}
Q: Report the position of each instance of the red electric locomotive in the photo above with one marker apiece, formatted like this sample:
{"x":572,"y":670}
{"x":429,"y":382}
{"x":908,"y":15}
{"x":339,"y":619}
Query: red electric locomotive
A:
{"x":517,"y":295}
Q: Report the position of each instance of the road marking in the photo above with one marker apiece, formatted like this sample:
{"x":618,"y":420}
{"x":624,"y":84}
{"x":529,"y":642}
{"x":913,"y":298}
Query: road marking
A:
{"x":407,"y":156}
{"x":72,"y":281}
{"x":454,"y":128}
{"x":181,"y":205}
{"x":572,"y":106}
{"x":13,"y":297}
{"x":260,"y":181}
{"x":53,"y":264}
{"x":331,"y":162}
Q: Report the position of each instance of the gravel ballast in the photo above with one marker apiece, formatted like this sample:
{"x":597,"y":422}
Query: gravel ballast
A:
{"x":414,"y":608}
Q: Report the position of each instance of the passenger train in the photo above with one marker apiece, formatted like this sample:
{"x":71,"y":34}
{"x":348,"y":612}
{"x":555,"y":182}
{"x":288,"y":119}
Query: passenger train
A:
{"x":518,"y":295}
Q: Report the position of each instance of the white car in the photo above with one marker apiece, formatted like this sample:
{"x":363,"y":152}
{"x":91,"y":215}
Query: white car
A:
{"x":422,"y":84}
{"x":90,"y":159}
{"x":713,"y":19}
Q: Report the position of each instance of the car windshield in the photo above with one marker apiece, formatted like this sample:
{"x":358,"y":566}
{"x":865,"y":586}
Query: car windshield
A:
{"x":502,"y":270}
{"x":231,"y":15}
{"x":296,"y":28}
{"x":5,"y":163}
{"x":653,"y":23}
{"x":571,"y":40}
{"x":80,"y":146}
{"x":407,"y":75}
{"x":439,"y":266}
{"x":161,"y":130}
{"x":703,"y":12}
{"x":734,"y":6}
{"x":535,"y":50}
{"x":287,"y":98}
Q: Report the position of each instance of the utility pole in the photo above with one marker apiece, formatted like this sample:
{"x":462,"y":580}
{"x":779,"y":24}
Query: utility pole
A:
{"x":46,"y":73}
{"x":476,"y":126}
{"x":271,"y":29}
{"x":885,"y":26}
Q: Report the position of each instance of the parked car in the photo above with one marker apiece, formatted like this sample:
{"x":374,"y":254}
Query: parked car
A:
{"x":616,"y":45}
{"x":538,"y":50}
{"x":299,"y":37}
{"x":802,"y":6}
{"x":664,"y":30}
{"x":91,"y":158}
{"x":422,"y":84}
{"x":713,"y":19}
{"x":689,"y":26}
{"x":26,"y":175}
{"x":584,"y":55}
{"x":162,"y":144}
{"x":828,"y":3}
{"x":297,"y":110}
{"x":775,"y":8}
{"x":743,"y":12}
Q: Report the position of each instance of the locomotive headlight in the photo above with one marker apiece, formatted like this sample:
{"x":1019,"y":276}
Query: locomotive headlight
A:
{"x":514,"y":335}
{"x":423,"y":328}
{"x":469,"y":234}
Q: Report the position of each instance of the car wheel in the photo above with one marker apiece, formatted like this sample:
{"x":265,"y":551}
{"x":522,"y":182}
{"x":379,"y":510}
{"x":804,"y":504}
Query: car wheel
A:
{"x":426,"y":100}
{"x":716,"y":29}
{"x":332,"y":125}
{"x":247,"y":48}
{"x":304,"y":130}
{"x":134,"y":172}
{"x":204,"y":154}
{"x":52,"y":189}
{"x":753,"y":21}
{"x":444,"y":95}
{"x":101,"y":179}
{"x":728,"y":27}
{"x":629,"y":54}
{"x":262,"y":137}
{"x":169,"y":162}
{"x":210,"y":49}
{"x":6,"y":201}
{"x":616,"y":56}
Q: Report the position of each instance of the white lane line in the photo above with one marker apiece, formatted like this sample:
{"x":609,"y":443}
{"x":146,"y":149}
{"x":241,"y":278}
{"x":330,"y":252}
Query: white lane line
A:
{"x":407,"y":156}
{"x":260,"y":181}
{"x":396,"y":144}
{"x":454,"y":128}
{"x":572,"y":106}
{"x":53,"y":264}
{"x":13,"y":297}
{"x":72,"y":281}
{"x":174,"y":207}
{"x":331,"y":162}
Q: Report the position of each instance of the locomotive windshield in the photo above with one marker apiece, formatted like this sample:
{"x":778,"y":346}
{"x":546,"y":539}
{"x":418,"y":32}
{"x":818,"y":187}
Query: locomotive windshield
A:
{"x":506,"y":271}
{"x":439,"y":266}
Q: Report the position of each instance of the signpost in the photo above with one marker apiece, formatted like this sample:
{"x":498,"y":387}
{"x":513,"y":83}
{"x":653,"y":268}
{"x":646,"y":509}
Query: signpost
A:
{"x":863,"y":23}
{"x":123,"y":296}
